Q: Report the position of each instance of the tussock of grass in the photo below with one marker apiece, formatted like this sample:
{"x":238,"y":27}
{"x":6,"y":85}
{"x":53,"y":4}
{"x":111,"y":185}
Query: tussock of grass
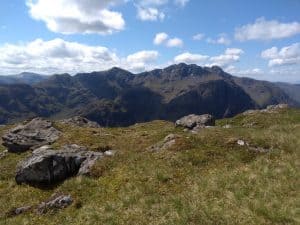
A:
{"x":205,"y":179}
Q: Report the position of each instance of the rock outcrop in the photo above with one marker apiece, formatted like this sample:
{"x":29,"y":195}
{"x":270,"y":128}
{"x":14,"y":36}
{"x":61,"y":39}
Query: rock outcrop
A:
{"x":269,"y":109}
{"x":55,"y":202}
{"x":47,"y":166}
{"x":36,"y":133}
{"x":80,"y":122}
{"x":195,"y":122}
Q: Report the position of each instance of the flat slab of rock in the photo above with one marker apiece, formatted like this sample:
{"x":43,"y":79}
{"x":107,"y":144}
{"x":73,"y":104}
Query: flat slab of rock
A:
{"x":80,"y":122}
{"x":196,"y":121}
{"x":36,"y":133}
{"x":47,"y":166}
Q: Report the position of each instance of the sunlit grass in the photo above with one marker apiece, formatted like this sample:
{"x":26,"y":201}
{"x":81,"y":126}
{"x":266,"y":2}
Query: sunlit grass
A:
{"x":206,"y":179}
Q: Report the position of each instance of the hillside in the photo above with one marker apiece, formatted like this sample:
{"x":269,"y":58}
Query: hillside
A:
{"x":205,"y":178}
{"x":119,"y":98}
{"x":293,"y":90}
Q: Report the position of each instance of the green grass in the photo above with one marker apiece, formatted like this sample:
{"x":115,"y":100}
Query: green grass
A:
{"x":205,"y":179}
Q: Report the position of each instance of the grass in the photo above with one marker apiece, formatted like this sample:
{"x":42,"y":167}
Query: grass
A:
{"x":206,"y":179}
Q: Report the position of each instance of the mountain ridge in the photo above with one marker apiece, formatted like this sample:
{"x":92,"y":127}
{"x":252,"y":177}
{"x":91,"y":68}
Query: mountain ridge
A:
{"x":117,"y":97}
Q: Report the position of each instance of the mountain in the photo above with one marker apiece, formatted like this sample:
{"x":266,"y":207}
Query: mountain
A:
{"x":293,"y":90}
{"x":117,"y":97}
{"x":25,"y":77}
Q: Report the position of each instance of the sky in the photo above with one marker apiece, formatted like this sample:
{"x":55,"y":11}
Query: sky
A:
{"x":257,"y":38}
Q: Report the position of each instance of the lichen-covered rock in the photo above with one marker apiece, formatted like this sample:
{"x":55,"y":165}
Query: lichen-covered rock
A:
{"x":36,"y":133}
{"x":47,"y":166}
{"x":196,"y":121}
{"x":80,"y":122}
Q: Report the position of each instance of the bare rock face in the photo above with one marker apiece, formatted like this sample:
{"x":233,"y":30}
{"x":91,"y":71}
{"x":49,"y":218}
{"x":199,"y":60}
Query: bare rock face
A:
{"x":80,"y":122}
{"x":194,"y":122}
{"x":36,"y":133}
{"x":47,"y":166}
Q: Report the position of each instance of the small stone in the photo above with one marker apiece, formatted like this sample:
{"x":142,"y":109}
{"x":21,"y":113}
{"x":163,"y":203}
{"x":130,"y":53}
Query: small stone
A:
{"x":241,"y":142}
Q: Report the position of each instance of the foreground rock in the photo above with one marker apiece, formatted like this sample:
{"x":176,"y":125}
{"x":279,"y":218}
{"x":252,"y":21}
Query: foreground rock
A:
{"x":168,"y":142}
{"x":195,"y":122}
{"x":36,"y":133}
{"x":47,"y":166}
{"x":269,"y":109}
{"x":56,"y":201}
{"x":80,"y":122}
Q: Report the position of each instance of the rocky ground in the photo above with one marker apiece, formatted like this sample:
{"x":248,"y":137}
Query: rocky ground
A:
{"x":242,"y":170}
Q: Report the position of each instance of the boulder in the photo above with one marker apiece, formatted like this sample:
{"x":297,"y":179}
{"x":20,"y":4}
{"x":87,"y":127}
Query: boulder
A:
{"x":80,"y":122}
{"x":47,"y":166}
{"x":34,"y":134}
{"x":196,"y":121}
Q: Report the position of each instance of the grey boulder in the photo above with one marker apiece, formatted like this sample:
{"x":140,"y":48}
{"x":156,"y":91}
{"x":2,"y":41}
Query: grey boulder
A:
{"x":36,"y":133}
{"x":47,"y":166}
{"x":80,"y":122}
{"x":195,"y":121}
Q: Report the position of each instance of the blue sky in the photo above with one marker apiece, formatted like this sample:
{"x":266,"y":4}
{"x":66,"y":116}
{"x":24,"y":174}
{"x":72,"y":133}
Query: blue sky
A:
{"x":258,"y":38}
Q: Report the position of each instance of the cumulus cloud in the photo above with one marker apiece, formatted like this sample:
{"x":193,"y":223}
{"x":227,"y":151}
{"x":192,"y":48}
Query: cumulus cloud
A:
{"x":198,"y":37}
{"x":141,"y":61}
{"x":222,"y":39}
{"x":263,"y":29}
{"x":77,"y":16}
{"x":174,"y":42}
{"x":163,"y":38}
{"x":154,"y":10}
{"x":190,"y":58}
{"x":60,"y":56}
{"x":160,"y":38}
{"x":181,"y":3}
{"x":289,"y":55}
{"x":231,"y":55}
{"x":150,"y":14}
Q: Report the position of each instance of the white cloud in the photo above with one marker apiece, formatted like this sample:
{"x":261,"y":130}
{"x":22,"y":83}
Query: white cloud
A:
{"x":163,"y":38}
{"x":289,"y":55}
{"x":231,"y":55}
{"x":181,"y":3}
{"x":59,"y":56}
{"x":152,"y":2}
{"x":150,"y":14}
{"x":266,"y":30}
{"x":222,"y":39}
{"x":190,"y":58}
{"x":198,"y":37}
{"x":174,"y":42}
{"x":160,"y":38}
{"x":77,"y":16}
{"x":141,"y":61}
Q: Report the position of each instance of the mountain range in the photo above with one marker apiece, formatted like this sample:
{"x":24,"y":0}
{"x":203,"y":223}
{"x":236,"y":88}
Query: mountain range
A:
{"x":117,"y":97}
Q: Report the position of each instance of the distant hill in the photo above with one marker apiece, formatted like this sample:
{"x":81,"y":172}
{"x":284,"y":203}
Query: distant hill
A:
{"x":117,"y":97}
{"x":26,"y":78}
{"x":293,"y":90}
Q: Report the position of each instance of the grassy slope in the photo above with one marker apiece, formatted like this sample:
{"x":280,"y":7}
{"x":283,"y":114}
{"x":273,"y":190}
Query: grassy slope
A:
{"x":205,"y":179}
